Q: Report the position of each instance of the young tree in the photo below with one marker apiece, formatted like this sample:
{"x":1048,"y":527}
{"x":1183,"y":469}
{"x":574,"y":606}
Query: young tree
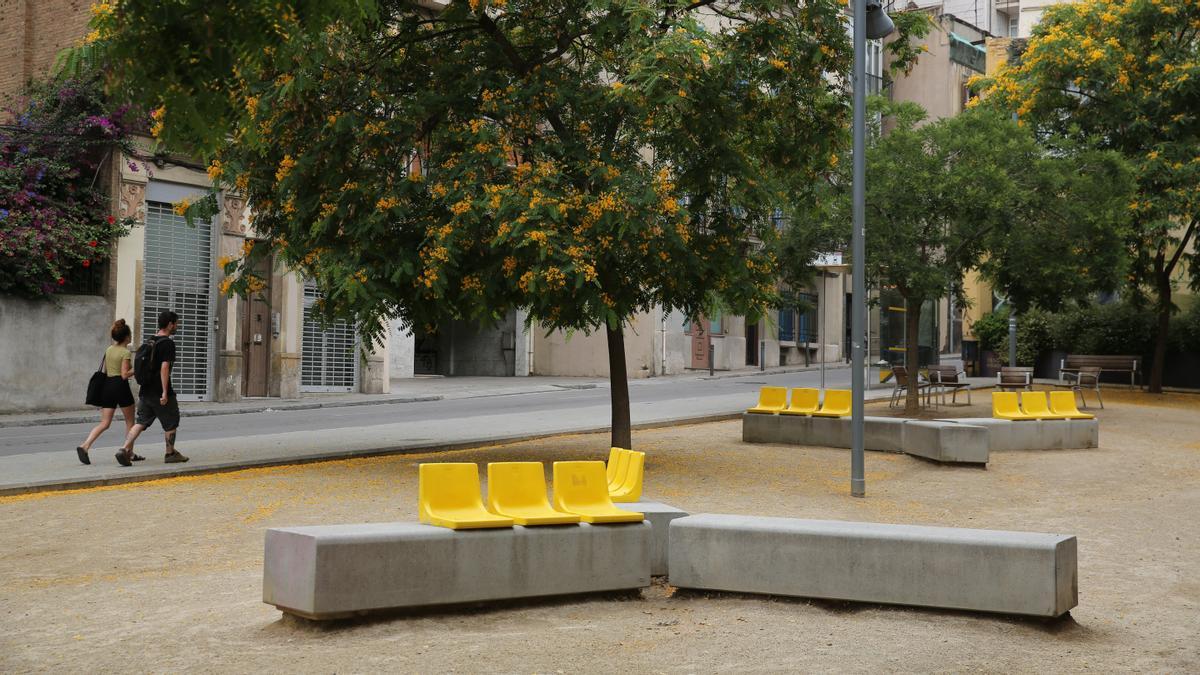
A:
{"x":1125,"y":75}
{"x":585,"y":160}
{"x":976,"y":189}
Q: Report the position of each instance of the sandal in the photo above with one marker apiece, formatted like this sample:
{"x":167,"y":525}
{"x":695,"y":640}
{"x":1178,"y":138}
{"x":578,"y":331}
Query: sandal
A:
{"x":135,"y":457}
{"x":83,"y":455}
{"x":123,"y":457}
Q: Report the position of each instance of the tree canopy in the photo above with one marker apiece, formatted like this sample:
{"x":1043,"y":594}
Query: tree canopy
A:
{"x":978,"y":191}
{"x":582,"y":159}
{"x":1124,"y":75}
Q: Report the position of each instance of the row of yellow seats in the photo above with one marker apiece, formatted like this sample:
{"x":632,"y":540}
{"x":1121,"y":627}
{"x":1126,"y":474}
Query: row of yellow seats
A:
{"x":626,"y":472}
{"x":449,"y":495}
{"x":1036,"y":405}
{"x":773,"y":400}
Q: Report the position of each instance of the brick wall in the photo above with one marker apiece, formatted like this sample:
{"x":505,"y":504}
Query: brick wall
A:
{"x":32,"y":33}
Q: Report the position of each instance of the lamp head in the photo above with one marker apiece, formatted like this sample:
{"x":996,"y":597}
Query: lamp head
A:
{"x":879,"y":24}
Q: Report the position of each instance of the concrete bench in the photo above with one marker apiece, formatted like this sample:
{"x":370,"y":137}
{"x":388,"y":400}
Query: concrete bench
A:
{"x":659,"y":516}
{"x":946,"y":442}
{"x":1004,"y":435}
{"x":952,"y":568}
{"x":942,"y":441}
{"x":336,"y":571}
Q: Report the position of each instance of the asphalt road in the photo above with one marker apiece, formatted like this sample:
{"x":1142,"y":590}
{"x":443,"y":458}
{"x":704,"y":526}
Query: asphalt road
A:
{"x":653,"y":398}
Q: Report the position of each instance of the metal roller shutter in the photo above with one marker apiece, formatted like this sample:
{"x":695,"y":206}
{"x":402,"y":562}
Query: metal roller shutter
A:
{"x":178,"y":276}
{"x":328,"y":357}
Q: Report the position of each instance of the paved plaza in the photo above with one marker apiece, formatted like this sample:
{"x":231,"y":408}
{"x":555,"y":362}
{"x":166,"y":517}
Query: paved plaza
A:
{"x":166,"y":575}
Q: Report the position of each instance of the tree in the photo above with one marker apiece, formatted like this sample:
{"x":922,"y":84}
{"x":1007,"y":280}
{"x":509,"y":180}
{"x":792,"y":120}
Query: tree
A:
{"x":977,"y":190}
{"x":585,"y":160}
{"x":1125,"y":75}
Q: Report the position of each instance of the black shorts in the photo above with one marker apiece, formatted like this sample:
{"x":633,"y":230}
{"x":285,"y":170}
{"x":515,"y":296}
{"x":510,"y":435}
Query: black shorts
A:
{"x":167,"y":415}
{"x":115,"y":393}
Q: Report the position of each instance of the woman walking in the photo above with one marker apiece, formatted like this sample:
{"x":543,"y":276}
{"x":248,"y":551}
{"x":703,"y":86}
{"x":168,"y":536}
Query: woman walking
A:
{"x":115,"y":393}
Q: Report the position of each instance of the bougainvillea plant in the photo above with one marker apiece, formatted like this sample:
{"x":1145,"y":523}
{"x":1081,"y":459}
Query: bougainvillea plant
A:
{"x":55,"y":217}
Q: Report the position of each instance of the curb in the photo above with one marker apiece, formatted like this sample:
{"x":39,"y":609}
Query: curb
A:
{"x":212,"y":412}
{"x":227,"y":467}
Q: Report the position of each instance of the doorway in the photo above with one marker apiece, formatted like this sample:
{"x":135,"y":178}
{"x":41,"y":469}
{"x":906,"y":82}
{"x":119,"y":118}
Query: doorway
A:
{"x":700,"y":343}
{"x":256,"y":335}
{"x":751,"y":344}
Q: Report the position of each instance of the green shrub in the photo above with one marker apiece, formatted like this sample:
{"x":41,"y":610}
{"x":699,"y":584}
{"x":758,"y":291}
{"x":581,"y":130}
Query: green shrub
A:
{"x":1185,"y":330}
{"x":1115,"y":328}
{"x":1034,"y":336}
{"x":991,"y":328}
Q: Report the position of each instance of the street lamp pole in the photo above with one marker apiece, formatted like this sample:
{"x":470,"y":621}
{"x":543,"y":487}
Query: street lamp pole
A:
{"x":858,"y":308}
{"x":880,"y":26}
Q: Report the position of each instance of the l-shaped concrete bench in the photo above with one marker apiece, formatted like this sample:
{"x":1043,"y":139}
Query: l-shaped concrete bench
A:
{"x":959,"y":441}
{"x":952,"y":568}
{"x":336,"y":571}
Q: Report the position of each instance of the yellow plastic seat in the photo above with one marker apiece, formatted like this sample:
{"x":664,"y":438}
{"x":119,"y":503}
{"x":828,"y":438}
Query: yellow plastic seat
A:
{"x":1004,"y":406}
{"x":770,"y":400}
{"x":804,"y":402}
{"x":581,"y":488}
{"x":517,"y":490}
{"x":448,"y":496}
{"x":837,"y":403}
{"x":1063,"y":405}
{"x":614,"y":456}
{"x":618,"y":466}
{"x":629,"y":489}
{"x":1034,"y":404}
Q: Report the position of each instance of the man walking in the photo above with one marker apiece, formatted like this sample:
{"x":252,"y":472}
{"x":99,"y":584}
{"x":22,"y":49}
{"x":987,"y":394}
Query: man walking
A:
{"x":156,"y":400}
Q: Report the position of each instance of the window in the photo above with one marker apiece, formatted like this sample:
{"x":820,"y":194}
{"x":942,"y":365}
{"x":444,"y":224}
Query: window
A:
{"x":800,"y":326}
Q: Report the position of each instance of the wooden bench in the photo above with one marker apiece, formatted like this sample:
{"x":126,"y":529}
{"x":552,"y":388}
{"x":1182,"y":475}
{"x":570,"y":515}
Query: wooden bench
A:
{"x":1014,"y":377}
{"x":1109,"y":363}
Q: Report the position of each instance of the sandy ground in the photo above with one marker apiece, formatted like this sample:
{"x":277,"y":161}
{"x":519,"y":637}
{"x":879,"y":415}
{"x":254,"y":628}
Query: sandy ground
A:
{"x":166,"y":575}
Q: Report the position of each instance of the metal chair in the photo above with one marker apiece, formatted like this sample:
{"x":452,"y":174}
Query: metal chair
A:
{"x":942,"y":378}
{"x":1076,"y":381}
{"x":902,"y":384}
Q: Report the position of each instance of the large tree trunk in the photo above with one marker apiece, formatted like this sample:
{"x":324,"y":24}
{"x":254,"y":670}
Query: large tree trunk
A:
{"x":1160,"y":339}
{"x":912,"y":354}
{"x":618,"y":379}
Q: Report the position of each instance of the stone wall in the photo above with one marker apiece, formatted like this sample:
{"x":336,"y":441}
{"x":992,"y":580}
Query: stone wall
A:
{"x":48,"y":351}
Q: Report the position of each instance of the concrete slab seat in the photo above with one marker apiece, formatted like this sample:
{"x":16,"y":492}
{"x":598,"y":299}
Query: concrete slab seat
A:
{"x":626,"y":472}
{"x":952,"y":568}
{"x":946,"y":442}
{"x":659,"y":516}
{"x":337,"y":571}
{"x":943,"y":441}
{"x":1008,"y":435}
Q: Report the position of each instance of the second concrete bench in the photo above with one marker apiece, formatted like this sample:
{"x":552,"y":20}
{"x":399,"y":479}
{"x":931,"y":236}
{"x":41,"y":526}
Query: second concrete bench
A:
{"x":952,"y":568}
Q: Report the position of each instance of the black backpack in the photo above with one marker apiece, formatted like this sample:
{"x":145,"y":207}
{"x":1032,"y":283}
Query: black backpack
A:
{"x":143,"y":361}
